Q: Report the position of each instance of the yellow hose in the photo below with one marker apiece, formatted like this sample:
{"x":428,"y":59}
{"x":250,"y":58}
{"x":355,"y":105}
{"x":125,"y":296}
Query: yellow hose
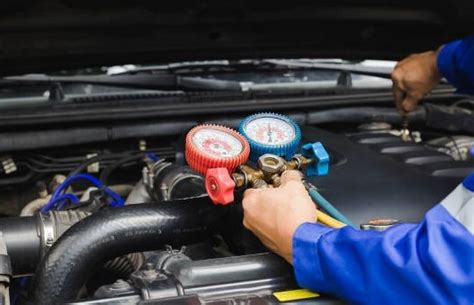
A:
{"x":329,"y":221}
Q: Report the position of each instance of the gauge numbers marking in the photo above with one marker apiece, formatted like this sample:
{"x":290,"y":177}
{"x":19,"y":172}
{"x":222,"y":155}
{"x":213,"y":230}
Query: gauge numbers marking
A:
{"x":217,"y":143}
{"x":270,"y":131}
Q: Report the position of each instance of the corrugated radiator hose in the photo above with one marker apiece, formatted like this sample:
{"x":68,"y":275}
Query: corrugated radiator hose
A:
{"x":114,"y":232}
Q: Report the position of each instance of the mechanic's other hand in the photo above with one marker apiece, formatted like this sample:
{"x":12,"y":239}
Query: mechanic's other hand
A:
{"x":274,"y":214}
{"x":413,"y":78}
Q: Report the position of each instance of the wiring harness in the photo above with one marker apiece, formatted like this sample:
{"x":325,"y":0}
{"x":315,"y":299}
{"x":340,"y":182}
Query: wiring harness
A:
{"x":59,"y":198}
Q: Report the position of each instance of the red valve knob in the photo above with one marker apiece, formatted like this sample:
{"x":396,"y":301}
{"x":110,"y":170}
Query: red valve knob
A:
{"x":220,"y":185}
{"x":212,"y":146}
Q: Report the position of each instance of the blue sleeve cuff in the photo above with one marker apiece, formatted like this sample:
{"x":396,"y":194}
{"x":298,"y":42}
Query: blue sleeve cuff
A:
{"x":447,"y":62}
{"x":469,"y":182}
{"x":306,"y":265}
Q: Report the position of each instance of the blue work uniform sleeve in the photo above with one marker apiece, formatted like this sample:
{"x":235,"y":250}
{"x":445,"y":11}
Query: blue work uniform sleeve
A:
{"x":427,"y":263}
{"x":456,"y":64}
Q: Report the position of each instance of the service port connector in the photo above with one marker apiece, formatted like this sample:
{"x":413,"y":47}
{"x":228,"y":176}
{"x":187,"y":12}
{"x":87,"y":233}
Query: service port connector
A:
{"x":220,"y":184}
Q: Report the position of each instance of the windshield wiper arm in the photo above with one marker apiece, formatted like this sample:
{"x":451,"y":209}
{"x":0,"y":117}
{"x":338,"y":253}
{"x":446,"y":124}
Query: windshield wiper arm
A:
{"x":138,"y":81}
{"x":382,"y":72}
{"x":268,"y":64}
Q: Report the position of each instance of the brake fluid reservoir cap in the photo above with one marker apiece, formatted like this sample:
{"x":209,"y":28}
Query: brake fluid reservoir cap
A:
{"x":271,"y":133}
{"x":212,"y":146}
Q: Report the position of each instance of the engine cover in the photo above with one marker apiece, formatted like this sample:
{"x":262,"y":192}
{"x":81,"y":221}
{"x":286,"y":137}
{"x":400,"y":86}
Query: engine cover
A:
{"x":376,"y":175}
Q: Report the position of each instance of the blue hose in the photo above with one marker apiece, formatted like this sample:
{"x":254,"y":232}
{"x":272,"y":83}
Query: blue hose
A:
{"x":116,"y":199}
{"x":328,"y":207}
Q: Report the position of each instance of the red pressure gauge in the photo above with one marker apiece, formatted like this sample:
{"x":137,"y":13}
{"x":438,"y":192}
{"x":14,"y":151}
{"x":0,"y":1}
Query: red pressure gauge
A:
{"x":213,"y":146}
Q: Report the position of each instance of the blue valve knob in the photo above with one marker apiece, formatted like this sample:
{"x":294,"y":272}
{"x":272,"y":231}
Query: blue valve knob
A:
{"x":271,"y":133}
{"x":318,"y":152}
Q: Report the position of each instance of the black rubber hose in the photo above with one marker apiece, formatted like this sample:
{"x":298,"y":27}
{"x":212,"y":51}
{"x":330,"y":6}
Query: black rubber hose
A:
{"x":23,"y":242}
{"x":162,"y":152}
{"x":115,"y":232}
{"x":95,"y":159}
{"x":104,"y":175}
{"x":16,"y":180}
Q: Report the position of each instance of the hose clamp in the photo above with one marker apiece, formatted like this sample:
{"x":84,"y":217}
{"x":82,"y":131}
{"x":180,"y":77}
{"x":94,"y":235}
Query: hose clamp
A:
{"x":47,"y":231}
{"x":54,"y":223}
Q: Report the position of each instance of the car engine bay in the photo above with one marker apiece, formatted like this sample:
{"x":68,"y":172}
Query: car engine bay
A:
{"x":130,"y":221}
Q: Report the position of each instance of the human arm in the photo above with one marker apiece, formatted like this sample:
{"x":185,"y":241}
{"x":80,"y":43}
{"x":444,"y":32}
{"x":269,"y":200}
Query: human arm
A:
{"x":418,"y":74}
{"x":427,"y":263}
{"x":456,"y":63}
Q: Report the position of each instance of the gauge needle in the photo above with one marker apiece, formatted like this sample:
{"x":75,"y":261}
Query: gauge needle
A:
{"x":269,"y":133}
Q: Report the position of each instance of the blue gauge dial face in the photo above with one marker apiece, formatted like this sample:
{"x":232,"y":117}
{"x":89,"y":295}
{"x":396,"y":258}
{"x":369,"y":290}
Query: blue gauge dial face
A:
{"x":269,"y":130}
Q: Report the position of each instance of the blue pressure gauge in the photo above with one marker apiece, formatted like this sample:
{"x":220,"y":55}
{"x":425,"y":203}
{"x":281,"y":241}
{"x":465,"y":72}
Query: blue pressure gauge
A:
{"x":271,"y":133}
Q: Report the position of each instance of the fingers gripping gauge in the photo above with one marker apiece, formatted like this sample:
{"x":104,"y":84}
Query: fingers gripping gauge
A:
{"x":271,"y":133}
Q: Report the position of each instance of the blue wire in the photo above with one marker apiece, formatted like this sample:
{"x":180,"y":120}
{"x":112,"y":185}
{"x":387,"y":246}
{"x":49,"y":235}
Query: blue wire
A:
{"x":63,"y":198}
{"x":153,"y":157}
{"x":328,"y":207}
{"x":61,"y":201}
{"x":116,"y":199}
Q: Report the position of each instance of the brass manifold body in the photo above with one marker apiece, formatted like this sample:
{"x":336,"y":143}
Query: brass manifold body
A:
{"x":268,"y":171}
{"x":268,"y":174}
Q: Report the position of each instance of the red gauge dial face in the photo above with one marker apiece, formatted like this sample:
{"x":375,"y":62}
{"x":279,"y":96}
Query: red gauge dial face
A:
{"x":217,"y":143}
{"x":214,"y":146}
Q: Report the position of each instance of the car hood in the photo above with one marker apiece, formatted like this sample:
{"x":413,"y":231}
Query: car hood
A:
{"x":41,"y":36}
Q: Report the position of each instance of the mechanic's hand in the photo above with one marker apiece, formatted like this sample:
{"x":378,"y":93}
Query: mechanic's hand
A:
{"x":274,"y":214}
{"x":413,"y":78}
